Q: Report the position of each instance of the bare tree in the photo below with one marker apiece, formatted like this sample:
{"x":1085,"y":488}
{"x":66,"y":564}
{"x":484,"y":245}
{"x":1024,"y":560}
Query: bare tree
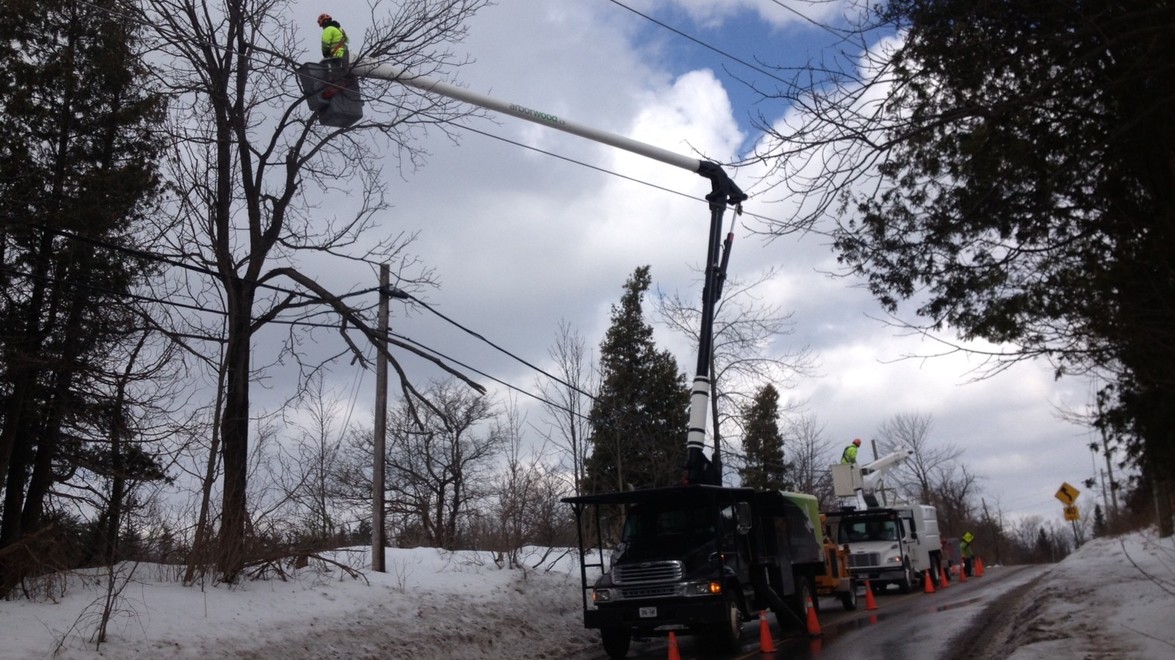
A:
{"x":247,"y":154}
{"x":745,"y":353}
{"x":810,"y":455}
{"x":917,"y":478}
{"x":308,"y":466}
{"x":954,"y":496}
{"x":1023,"y":534}
{"x":526,"y":510}
{"x":567,"y":401}
{"x":439,"y":461}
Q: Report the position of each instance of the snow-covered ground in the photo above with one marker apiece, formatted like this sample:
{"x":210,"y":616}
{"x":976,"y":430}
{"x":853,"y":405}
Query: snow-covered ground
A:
{"x":1114,"y":598}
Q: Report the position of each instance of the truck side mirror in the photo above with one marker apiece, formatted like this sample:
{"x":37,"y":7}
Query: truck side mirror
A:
{"x":743,"y":511}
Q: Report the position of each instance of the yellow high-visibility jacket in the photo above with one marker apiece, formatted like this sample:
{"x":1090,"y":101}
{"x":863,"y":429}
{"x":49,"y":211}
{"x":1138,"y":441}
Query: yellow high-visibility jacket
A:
{"x":334,"y":42}
{"x":849,"y":455}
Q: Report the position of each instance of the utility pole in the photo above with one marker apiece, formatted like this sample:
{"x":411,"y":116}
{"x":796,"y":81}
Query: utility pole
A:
{"x":381,"y":426}
{"x":993,"y":531}
{"x":1110,"y":472}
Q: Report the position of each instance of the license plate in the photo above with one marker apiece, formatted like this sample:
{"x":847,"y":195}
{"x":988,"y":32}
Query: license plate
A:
{"x":648,"y":612}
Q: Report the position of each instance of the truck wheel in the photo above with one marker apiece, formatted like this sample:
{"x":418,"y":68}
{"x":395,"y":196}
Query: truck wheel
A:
{"x":797,"y":605}
{"x":907,"y":582}
{"x":815,"y":593}
{"x":849,"y":600}
{"x":616,"y":641}
{"x":727,"y":635}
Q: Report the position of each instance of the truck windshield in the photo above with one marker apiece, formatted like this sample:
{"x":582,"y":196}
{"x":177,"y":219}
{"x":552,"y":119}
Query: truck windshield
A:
{"x":647,"y":523}
{"x":868,"y":530}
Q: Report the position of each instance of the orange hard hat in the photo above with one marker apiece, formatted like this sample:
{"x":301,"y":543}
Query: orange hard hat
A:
{"x":857,"y":441}
{"x":322,"y":18}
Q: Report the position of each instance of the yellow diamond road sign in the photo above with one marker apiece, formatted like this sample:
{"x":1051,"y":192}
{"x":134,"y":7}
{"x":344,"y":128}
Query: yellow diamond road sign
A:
{"x":1067,"y":494}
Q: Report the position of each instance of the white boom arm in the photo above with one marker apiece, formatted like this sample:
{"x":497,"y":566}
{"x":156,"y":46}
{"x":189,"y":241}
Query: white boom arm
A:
{"x":397,"y":74}
{"x":724,"y":192}
{"x":873,"y":473}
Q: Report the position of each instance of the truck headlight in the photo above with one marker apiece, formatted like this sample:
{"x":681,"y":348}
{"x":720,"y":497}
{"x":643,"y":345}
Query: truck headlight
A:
{"x":713,"y":587}
{"x":601,"y":595}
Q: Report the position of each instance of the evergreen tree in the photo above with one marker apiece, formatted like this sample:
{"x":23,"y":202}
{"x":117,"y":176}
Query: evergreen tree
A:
{"x":1044,"y":548}
{"x":763,"y":443}
{"x":78,"y":169}
{"x":639,"y":419}
{"x":1099,"y":522}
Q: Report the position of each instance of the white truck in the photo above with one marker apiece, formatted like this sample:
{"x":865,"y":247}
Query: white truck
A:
{"x":897,"y":544}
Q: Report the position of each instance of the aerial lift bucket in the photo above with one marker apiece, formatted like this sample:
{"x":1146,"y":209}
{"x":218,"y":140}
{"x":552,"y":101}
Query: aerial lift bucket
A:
{"x":331,"y":92}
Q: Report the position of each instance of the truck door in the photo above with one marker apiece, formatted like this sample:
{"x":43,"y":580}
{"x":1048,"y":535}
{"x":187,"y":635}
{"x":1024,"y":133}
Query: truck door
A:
{"x":735,"y":547}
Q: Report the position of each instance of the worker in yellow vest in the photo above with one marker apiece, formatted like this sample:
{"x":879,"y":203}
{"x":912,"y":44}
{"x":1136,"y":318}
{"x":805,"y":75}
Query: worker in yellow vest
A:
{"x":967,"y":553}
{"x":334,"y":39}
{"x":850,"y":453}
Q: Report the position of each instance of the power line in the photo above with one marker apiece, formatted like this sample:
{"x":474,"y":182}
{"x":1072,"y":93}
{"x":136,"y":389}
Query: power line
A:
{"x":309,"y":324}
{"x":514,"y":388}
{"x":822,"y":26}
{"x":699,"y":42}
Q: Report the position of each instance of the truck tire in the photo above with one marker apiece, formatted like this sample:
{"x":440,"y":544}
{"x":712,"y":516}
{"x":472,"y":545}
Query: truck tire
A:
{"x":616,"y":641}
{"x":797,"y":606}
{"x":815,"y":593}
{"x":849,"y":599}
{"x":906,"y":584}
{"x":727,"y":635}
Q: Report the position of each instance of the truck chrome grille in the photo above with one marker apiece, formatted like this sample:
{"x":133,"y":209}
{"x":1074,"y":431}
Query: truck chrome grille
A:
{"x":649,"y":571}
{"x":864,"y":559}
{"x":649,"y":591}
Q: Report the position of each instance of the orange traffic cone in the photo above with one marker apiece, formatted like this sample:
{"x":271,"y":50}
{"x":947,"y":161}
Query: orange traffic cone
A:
{"x":944,"y":581}
{"x":870,"y":604}
{"x":674,"y":654}
{"x":813,"y":622}
{"x":978,"y":567}
{"x":766,"y":644}
{"x":927,"y":583}
{"x":962,"y":572}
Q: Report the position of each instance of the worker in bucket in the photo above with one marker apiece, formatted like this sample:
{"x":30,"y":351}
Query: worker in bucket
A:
{"x":334,"y":39}
{"x":850,"y":454}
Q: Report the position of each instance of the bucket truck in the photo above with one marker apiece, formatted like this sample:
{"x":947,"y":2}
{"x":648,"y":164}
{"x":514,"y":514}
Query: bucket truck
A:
{"x":699,"y":557}
{"x":885,"y":545}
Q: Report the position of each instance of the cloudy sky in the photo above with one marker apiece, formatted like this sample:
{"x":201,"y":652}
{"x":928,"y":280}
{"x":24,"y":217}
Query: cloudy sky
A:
{"x":522,"y":240}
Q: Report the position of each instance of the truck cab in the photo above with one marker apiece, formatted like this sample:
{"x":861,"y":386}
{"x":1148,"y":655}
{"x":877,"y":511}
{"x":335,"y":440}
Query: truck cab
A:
{"x":895,"y":545}
{"x":695,"y":559}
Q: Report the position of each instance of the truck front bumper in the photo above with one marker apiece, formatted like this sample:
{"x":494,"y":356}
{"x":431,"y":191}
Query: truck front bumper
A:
{"x":879,"y":574}
{"x":654,"y":613}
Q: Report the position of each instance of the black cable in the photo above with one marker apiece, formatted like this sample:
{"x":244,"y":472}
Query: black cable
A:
{"x":475,"y":370}
{"x":699,"y":42}
{"x":827,"y":28}
{"x":329,"y":326}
